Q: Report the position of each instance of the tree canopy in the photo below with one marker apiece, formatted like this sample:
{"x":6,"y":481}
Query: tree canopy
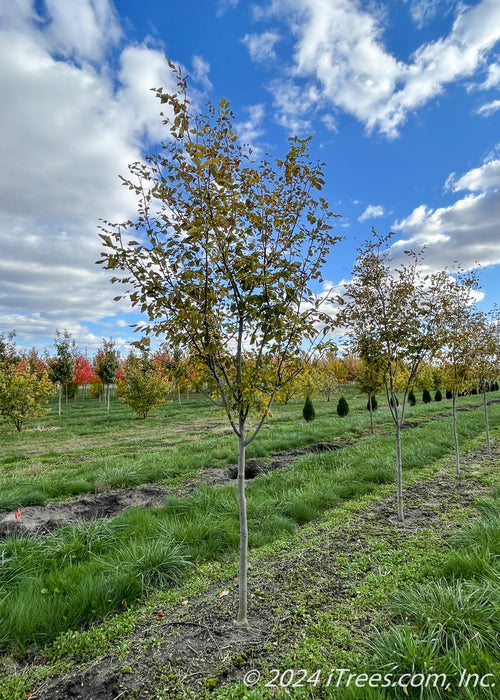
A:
{"x":221,"y":259}
{"x":395,"y":315}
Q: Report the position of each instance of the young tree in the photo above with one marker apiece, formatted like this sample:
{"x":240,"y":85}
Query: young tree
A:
{"x":308,"y":411}
{"x":393,"y":315}
{"x":369,"y":379}
{"x":226,"y":253}
{"x":106,"y":364}
{"x":8,"y":353}
{"x":62,"y":365}
{"x":143,"y":386}
{"x":84,"y":372}
{"x":458,"y":351}
{"x":485,"y":364}
{"x":24,"y":391}
{"x":33,"y":361}
{"x":309,"y":380}
{"x":332,"y":371}
{"x":342,"y":407}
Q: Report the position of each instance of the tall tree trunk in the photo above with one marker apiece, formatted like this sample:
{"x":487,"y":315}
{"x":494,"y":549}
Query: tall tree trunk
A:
{"x":399,"y":468}
{"x":455,"y":436}
{"x":242,"y":620}
{"x":60,"y":396}
{"x":486,"y":422}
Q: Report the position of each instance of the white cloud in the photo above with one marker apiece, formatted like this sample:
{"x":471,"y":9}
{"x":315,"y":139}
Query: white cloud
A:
{"x":294,"y":106}
{"x":372,"y":211}
{"x":201,"y":69}
{"x":424,"y":11}
{"x":261,"y":46}
{"x":70,"y":129}
{"x":488,"y":109}
{"x":340,"y":48}
{"x":81,"y":29}
{"x":330,"y":122}
{"x":134,"y":105}
{"x":250,"y":131}
{"x":493,"y":79}
{"x":486,"y":177}
{"x":224,"y":5}
{"x":467,"y":230}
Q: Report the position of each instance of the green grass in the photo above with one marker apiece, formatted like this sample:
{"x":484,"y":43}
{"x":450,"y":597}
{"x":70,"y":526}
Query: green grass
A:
{"x":88,"y":449}
{"x":448,"y":625}
{"x":82,"y":572}
{"x":53,"y":584}
{"x":79,"y":573}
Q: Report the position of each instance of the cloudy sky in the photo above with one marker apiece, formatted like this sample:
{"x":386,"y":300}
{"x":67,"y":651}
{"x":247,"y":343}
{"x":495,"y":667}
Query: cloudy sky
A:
{"x":401,"y":96}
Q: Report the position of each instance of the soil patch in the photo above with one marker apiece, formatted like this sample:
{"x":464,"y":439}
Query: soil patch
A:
{"x":45,"y":519}
{"x":195,"y":646}
{"x":254,"y":467}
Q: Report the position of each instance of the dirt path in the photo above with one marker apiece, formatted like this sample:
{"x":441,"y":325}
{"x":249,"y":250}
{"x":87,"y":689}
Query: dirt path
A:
{"x":177,"y":652}
{"x":45,"y":519}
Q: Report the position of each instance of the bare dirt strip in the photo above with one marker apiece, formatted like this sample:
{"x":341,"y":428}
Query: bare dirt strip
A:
{"x":45,"y":519}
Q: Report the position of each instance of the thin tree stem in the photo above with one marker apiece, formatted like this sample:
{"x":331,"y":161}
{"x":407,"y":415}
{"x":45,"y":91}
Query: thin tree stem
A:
{"x":486,"y":422}
{"x":242,"y":620}
{"x":399,"y":468}
{"x":455,"y":436}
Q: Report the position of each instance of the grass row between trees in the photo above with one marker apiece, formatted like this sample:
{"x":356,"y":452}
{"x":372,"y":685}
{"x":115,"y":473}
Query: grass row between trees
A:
{"x":82,"y":572}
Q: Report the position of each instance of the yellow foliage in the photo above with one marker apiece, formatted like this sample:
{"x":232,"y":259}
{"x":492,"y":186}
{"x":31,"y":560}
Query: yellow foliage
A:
{"x":23,"y":394}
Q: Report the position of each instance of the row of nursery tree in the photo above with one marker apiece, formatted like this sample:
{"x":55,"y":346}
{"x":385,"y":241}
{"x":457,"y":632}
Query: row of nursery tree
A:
{"x":149,"y":379}
{"x":144,"y":380}
{"x":224,"y":257}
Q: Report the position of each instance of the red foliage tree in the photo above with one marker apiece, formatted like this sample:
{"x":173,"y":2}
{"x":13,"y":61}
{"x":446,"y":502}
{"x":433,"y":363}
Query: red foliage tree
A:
{"x":84,"y":372}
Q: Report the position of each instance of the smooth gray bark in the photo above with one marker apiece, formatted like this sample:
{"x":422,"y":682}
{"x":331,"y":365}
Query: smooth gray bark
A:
{"x":242,"y":620}
{"x":455,"y":436}
{"x":399,"y":471}
{"x":486,"y":423}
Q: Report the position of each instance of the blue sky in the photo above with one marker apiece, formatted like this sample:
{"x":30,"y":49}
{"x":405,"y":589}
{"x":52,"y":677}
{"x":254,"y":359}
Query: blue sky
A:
{"x":401,"y":97}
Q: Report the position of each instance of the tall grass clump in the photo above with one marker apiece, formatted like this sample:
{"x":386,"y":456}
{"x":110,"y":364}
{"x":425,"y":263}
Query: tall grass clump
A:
{"x":77,"y":574}
{"x":451,"y":624}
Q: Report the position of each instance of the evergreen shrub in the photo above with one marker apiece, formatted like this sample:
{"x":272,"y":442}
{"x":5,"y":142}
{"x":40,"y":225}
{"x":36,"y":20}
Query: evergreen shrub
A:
{"x":308,"y":411}
{"x":342,"y":407}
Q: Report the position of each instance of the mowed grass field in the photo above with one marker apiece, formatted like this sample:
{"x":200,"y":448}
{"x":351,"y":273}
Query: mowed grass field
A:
{"x":83,"y":572}
{"x":88,"y":449}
